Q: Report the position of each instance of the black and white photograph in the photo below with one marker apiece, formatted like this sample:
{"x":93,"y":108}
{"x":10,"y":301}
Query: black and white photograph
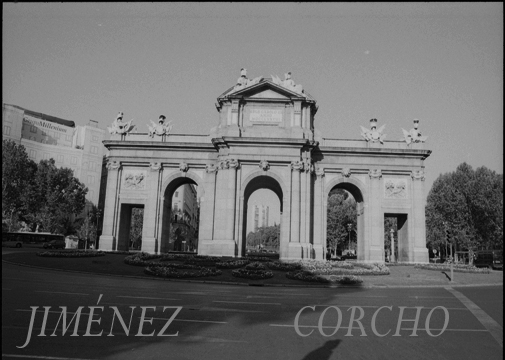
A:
{"x":252,"y":180}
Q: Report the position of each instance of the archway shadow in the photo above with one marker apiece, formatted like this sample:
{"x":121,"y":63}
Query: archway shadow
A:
{"x":324,"y":352}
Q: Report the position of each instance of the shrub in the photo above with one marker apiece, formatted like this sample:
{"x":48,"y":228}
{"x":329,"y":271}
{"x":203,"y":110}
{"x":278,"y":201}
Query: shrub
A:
{"x":170,"y":272}
{"x":231,"y":264}
{"x":71,"y":254}
{"x":284,"y":266}
{"x":306,"y":276}
{"x":255,"y":266}
{"x":456,"y":267}
{"x":252,"y":274}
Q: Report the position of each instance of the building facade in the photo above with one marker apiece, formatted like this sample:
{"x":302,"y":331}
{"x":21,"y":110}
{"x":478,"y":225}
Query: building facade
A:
{"x":266,"y":138}
{"x":259,"y":217}
{"x":79,"y":148}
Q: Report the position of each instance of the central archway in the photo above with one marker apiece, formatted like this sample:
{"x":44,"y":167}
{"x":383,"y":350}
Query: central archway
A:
{"x":254,"y":183}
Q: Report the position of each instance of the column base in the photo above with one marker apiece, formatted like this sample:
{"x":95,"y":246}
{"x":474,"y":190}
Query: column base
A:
{"x":421,"y":256}
{"x":318,"y":252}
{"x":294,"y":252}
{"x":149,"y":245}
{"x":217,"y":248}
{"x":107,"y":243}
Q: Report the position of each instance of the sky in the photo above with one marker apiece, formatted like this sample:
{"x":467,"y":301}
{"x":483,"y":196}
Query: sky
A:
{"x":441,"y":63}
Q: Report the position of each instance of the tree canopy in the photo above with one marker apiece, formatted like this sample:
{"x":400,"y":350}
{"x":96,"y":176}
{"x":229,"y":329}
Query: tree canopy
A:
{"x":42,"y":195}
{"x":341,"y":212}
{"x":469,"y":204}
{"x":264,"y":236}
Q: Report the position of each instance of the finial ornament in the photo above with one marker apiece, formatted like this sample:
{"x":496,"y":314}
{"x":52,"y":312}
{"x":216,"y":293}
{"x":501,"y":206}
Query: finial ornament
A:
{"x":120,"y":127}
{"x":288,"y":83}
{"x":374,"y":134}
{"x":414,"y":135}
{"x":161,"y":128}
{"x":243,"y":81}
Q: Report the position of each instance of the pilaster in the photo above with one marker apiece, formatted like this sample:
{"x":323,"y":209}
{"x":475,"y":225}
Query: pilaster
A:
{"x":419,"y":253}
{"x":108,"y":237}
{"x":151,"y":211}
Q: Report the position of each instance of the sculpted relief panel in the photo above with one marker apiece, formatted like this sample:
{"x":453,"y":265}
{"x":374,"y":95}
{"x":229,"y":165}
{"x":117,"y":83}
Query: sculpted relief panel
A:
{"x":134,"y":180}
{"x":395,"y":188}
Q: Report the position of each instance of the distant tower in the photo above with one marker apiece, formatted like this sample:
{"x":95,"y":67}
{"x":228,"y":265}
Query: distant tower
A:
{"x":259,"y":217}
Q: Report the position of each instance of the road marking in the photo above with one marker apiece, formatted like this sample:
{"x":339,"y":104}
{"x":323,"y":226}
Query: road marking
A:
{"x":357,"y":328}
{"x":489,"y":323}
{"x":187,"y":320}
{"x":59,"y":292}
{"x":245,"y":302}
{"x":261,"y":297}
{"x":230,"y":310}
{"x":144,"y":297}
{"x":432,"y":297}
{"x":40,"y":357}
{"x":364,"y":296}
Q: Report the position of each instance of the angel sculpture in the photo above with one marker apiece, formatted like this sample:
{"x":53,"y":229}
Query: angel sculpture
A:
{"x":373,"y":134}
{"x":414,"y":135}
{"x":161,"y":128}
{"x":120,"y":127}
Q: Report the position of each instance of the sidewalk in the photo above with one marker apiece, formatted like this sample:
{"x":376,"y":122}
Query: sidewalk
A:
{"x":113,"y":264}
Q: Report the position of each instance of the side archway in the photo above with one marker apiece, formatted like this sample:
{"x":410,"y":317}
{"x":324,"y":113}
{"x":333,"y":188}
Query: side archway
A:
{"x":357,"y":189}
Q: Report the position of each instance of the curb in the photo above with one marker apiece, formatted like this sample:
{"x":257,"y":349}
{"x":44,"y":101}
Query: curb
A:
{"x":263,"y":285}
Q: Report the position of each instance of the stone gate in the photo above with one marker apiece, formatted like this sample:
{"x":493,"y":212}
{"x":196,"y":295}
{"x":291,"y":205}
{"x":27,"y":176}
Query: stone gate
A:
{"x":266,"y":138}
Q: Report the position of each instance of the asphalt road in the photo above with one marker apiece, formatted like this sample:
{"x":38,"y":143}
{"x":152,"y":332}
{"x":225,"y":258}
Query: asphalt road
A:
{"x":241,"y":322}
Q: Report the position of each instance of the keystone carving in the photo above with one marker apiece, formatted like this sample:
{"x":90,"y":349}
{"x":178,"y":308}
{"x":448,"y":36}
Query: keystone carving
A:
{"x":319,"y":172}
{"x":233,"y":163}
{"x":264,"y":165}
{"x":346,"y":172}
{"x":183,"y":167}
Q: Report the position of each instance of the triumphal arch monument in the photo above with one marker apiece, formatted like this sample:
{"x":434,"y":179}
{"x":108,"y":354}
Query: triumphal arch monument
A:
{"x":266,"y":137}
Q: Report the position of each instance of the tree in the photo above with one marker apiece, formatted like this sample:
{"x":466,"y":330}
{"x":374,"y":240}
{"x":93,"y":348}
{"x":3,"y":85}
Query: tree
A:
{"x":136,"y":227}
{"x":266,"y":236}
{"x":469,"y":204}
{"x":53,"y":196}
{"x":17,"y":171}
{"x":341,"y":212}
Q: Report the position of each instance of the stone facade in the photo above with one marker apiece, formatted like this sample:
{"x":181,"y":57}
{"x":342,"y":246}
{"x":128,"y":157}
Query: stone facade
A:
{"x":266,"y":138}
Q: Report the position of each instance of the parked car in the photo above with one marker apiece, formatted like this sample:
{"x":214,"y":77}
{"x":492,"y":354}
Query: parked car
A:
{"x":12,"y":243}
{"x":488,"y":258}
{"x":54,"y":244}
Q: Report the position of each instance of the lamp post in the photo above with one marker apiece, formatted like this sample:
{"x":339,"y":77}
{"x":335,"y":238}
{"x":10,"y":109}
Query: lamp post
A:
{"x":349,"y":228}
{"x":392,"y":245}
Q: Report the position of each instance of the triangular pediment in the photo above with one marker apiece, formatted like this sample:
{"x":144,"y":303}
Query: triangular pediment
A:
{"x":268,"y":94}
{"x":265,"y":89}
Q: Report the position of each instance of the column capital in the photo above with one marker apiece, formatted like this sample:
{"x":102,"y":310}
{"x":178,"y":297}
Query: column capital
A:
{"x":155,"y":166}
{"x":417,"y":175}
{"x":375,"y":173}
{"x":113,"y":165}
{"x":211,"y":168}
{"x":297,"y":165}
{"x":320,"y":172}
{"x":233,"y":164}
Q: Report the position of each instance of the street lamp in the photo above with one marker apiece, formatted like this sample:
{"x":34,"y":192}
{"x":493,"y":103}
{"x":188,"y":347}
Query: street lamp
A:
{"x":349,"y":228}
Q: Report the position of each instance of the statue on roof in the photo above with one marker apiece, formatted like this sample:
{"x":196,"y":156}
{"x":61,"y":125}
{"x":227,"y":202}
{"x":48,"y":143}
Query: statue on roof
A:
{"x":288,"y":83}
{"x":414,"y":135}
{"x":373,"y":134}
{"x":161,"y":128}
{"x":243,"y":81}
{"x":120,"y":127}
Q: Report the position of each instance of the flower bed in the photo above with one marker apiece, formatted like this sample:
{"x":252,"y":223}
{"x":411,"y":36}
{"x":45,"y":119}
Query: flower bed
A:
{"x":252,"y":274}
{"x":255,"y":266}
{"x":327,"y":268}
{"x":284,"y":266}
{"x":170,"y":272}
{"x":258,"y":258}
{"x":346,"y":279}
{"x":70,"y":254}
{"x":306,"y":276}
{"x":456,"y":267}
{"x":231,"y":264}
{"x":141,"y":259}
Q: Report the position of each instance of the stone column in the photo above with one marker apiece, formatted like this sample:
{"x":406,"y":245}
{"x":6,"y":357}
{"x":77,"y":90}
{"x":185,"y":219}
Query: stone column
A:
{"x":374,"y":245}
{"x":223,"y":243}
{"x":295,"y":250}
{"x":150,"y":242}
{"x":207,"y":211}
{"x":108,"y":237}
{"x":319,"y":245}
{"x":417,"y":241}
